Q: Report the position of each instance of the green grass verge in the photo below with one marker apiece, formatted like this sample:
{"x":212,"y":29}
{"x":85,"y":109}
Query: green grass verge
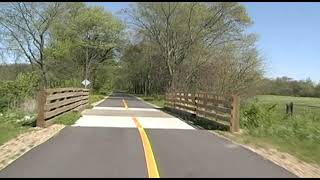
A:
{"x":266,"y":123}
{"x":9,"y":131}
{"x":95,"y":98}
{"x":157,"y":100}
{"x":13,"y":123}
{"x":69,"y":118}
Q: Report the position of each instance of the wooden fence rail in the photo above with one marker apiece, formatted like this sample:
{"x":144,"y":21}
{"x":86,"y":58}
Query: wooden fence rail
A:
{"x":221,"y":109}
{"x":55,"y":102}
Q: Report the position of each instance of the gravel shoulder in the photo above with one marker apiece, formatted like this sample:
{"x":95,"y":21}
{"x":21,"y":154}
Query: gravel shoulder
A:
{"x":13,"y":149}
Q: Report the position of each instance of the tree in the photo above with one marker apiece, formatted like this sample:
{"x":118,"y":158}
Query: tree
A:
{"x":200,"y":46}
{"x":87,"y":37}
{"x":26,"y":28}
{"x":177,"y":27}
{"x":289,"y":87}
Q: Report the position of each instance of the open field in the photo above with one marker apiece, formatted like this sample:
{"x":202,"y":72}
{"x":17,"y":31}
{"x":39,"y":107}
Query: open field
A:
{"x":303,"y":107}
{"x":264,"y":119}
{"x":286,"y":99}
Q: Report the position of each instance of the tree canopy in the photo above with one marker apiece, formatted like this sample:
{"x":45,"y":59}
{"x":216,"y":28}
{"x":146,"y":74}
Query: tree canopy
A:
{"x":173,"y":46}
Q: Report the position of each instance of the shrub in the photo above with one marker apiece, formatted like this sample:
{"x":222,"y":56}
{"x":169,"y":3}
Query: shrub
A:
{"x":13,"y":93}
{"x":266,"y":120}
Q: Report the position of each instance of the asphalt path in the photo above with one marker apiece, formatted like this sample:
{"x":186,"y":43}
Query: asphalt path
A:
{"x":108,"y":142}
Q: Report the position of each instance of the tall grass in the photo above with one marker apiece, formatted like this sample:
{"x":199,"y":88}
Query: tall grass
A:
{"x":157,"y":100}
{"x":95,"y":98}
{"x":299,"y":134}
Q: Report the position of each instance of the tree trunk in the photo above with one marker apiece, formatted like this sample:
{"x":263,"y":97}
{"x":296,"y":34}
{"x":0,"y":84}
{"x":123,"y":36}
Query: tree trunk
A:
{"x":145,"y":87}
{"x":44,"y":77}
{"x":86,"y":66}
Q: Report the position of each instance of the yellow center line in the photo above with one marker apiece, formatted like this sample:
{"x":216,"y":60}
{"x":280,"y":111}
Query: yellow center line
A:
{"x":148,"y":152}
{"x":125,"y":104}
{"x":150,"y":160}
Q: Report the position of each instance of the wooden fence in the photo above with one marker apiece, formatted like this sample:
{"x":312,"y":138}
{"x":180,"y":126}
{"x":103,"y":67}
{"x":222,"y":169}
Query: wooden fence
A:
{"x":223,"y":110}
{"x":55,"y":102}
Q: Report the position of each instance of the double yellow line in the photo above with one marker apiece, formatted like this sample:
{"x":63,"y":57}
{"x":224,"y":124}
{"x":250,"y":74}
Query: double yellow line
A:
{"x":148,"y":152}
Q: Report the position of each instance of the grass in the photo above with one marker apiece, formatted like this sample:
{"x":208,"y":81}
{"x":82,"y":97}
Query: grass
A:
{"x":13,"y":123}
{"x":69,"y":118}
{"x":267,"y":99}
{"x":281,"y":101}
{"x":266,"y":124}
{"x":9,"y":131}
{"x":157,"y":100}
{"x":95,"y":98}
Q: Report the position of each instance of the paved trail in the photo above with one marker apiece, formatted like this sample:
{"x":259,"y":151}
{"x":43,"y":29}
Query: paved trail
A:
{"x":126,"y":137}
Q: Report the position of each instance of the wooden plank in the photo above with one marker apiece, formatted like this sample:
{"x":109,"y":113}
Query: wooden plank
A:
{"x":219,"y":109}
{"x":215,"y":101}
{"x":187,"y":99}
{"x":61,"y":110}
{"x":64,"y":95}
{"x":52,"y":120}
{"x":218,"y":101}
{"x":186,"y":102}
{"x":220,"y":117}
{"x":59,"y":90}
{"x":213,"y":115}
{"x":62,"y":103}
{"x":227,"y":98}
{"x":185,"y":107}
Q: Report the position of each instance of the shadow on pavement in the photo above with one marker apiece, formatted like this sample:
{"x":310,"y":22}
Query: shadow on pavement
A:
{"x":197,"y":122}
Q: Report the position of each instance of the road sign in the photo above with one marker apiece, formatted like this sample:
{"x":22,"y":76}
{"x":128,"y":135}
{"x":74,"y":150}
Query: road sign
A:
{"x":85,"y":82}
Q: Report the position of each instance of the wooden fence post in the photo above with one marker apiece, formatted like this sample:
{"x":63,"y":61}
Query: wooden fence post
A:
{"x":174,"y":100}
{"x":234,"y":121}
{"x":42,"y":97}
{"x":205,"y":99}
{"x":194,"y":98}
{"x":291,"y":108}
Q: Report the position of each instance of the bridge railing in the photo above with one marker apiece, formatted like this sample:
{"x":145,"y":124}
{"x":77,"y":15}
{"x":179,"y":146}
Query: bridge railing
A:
{"x":221,"y":109}
{"x":55,"y":102}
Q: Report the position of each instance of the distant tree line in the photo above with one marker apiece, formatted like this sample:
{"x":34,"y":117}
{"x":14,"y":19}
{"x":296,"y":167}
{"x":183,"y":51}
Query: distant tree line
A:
{"x":286,"y":86}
